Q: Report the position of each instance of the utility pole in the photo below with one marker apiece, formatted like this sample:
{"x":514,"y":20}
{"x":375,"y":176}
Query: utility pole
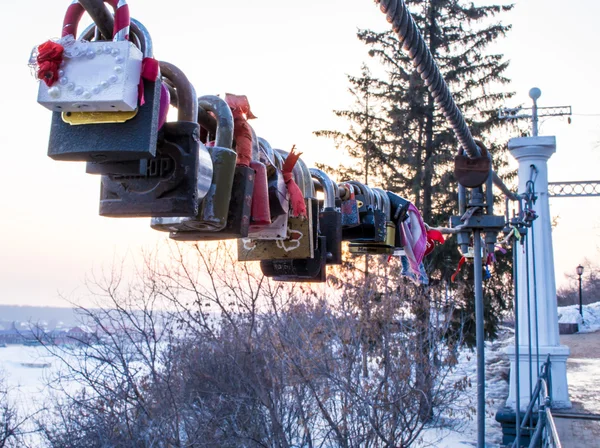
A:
{"x":534,"y":113}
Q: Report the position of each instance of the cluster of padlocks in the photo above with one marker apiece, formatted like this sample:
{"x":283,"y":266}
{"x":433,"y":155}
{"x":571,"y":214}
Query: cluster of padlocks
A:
{"x":206,"y":176}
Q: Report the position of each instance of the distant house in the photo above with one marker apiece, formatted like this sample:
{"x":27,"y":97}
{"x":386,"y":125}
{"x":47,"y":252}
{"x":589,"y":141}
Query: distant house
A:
{"x":78,"y":335}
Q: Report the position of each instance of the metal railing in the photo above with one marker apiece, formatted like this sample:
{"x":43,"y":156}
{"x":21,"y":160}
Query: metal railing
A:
{"x":544,"y":431}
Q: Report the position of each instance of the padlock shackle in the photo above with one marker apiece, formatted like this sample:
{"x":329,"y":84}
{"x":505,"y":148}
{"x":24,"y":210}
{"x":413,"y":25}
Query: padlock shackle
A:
{"x":327,"y":185}
{"x":346,"y":191}
{"x":139,"y":32}
{"x":122,"y":21}
{"x":218,"y":106}
{"x":269,"y":154}
{"x":378,"y":200}
{"x":255,"y":145}
{"x":309,"y":191}
{"x":279,"y":160}
{"x":146,"y":44}
{"x":387,"y":205}
{"x":187,"y":105}
{"x":365,"y":191}
{"x":301,"y":176}
{"x":296,"y":172}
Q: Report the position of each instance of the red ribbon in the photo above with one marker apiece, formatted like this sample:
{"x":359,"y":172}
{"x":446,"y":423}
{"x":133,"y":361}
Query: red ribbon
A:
{"x":432,"y":237}
{"x":460,"y":265}
{"x":150,"y":72}
{"x":242,"y":132}
{"x":296,"y":197}
{"x":49,"y":58}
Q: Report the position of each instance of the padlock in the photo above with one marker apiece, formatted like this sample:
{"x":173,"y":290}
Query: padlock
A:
{"x":214,"y":208}
{"x":330,"y":219}
{"x":279,"y":203}
{"x":277,"y":228}
{"x":177,"y":178}
{"x":290,"y":267}
{"x":383,"y":247}
{"x":94,"y":76}
{"x":131,"y":140}
{"x":312,"y":270}
{"x":299,"y":242}
{"x":399,"y":213}
{"x":349,"y":206}
{"x":472,"y":172}
{"x":240,"y":204}
{"x":261,"y":214}
{"x":301,"y":175}
{"x":131,"y":167}
{"x":364,"y":197}
{"x":372,"y":227}
{"x":238,"y":218}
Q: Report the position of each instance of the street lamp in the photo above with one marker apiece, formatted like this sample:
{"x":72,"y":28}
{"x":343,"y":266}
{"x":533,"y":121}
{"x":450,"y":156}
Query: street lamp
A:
{"x":580,"y":273}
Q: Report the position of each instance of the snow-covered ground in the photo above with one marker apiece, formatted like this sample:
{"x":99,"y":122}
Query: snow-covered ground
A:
{"x":462,"y":432}
{"x":591,"y":317}
{"x":28,"y":383}
{"x":25,"y":371}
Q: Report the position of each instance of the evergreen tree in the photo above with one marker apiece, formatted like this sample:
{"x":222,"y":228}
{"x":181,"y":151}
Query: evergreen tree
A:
{"x":402,"y":141}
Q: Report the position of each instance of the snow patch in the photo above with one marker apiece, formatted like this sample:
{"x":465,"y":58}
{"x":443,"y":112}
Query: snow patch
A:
{"x":591,"y":317}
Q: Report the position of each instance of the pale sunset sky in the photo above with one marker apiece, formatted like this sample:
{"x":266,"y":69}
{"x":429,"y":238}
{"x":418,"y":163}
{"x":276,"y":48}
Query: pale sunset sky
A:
{"x":291,"y":59}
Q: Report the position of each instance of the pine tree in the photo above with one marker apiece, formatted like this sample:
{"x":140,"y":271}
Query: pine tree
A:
{"x":402,"y":141}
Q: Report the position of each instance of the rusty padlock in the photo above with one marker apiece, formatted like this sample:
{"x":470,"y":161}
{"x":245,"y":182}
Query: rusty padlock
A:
{"x":472,"y":172}
{"x":178,"y":177}
{"x":349,"y":206}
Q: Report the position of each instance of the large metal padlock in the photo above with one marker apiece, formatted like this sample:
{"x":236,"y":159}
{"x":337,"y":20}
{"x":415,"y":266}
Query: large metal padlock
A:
{"x":107,"y":136}
{"x":177,"y":179}
{"x":214,"y":208}
{"x":372,"y":227}
{"x":330,"y":219}
{"x":472,"y":172}
{"x":382,"y":247}
{"x":128,"y":167}
{"x":94,"y":76}
{"x":312,"y":270}
{"x":349,"y":206}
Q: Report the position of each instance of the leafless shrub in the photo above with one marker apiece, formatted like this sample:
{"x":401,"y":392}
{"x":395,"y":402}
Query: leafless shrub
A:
{"x":203,"y":351}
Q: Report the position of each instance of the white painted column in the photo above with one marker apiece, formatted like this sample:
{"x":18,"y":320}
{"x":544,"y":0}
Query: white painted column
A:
{"x":536,"y":151}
